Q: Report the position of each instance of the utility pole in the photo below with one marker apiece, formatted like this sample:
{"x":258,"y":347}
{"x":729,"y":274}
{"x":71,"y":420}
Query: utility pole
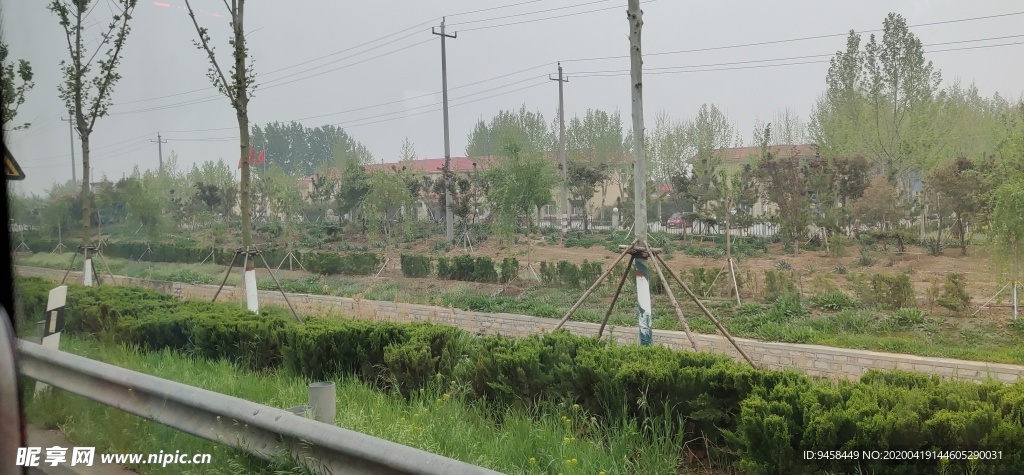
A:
{"x":71,"y":134}
{"x":643,"y":290}
{"x":563,"y":199}
{"x":449,"y":218}
{"x":160,"y":149}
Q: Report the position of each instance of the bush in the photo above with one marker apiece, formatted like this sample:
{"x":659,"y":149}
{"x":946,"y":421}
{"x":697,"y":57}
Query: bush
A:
{"x":328,"y":263}
{"x":954,"y":293}
{"x":764,"y":419}
{"x":778,"y":284}
{"x":903,"y":319}
{"x":833,"y":301}
{"x":415,"y":265}
{"x":865,"y":259}
{"x":891,"y":291}
{"x":467,"y":269}
{"x":509,"y":269}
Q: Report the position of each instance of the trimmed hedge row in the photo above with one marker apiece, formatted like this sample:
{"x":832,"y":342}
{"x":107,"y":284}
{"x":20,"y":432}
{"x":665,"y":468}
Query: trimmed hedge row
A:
{"x":357,"y":263}
{"x":465,"y":268}
{"x":762,"y":421}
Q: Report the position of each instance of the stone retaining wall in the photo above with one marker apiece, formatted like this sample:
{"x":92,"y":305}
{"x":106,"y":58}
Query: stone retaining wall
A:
{"x":814,"y":360}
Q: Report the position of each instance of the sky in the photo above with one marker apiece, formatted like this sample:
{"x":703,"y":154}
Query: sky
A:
{"x":374,"y":68}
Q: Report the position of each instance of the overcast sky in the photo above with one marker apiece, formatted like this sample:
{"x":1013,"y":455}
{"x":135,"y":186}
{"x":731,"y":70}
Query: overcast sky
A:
{"x":311,"y":66}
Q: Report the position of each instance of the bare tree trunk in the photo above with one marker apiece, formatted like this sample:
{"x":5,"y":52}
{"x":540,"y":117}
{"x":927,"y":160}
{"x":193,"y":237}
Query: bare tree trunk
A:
{"x":728,"y":257}
{"x":86,"y":198}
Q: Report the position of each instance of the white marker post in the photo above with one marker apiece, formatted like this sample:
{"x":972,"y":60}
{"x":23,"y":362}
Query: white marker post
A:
{"x":53,"y":325}
{"x":87,"y":271}
{"x":251,"y":296}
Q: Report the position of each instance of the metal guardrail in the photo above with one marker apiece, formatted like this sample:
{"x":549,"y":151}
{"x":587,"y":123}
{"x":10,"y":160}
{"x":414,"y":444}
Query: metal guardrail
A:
{"x":261,"y":430}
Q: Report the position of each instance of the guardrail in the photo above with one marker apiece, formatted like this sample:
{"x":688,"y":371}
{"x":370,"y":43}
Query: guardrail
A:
{"x":261,"y":430}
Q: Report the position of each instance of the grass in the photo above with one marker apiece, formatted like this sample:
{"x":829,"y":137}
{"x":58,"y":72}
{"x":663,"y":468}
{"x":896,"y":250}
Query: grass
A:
{"x":846,"y":328}
{"x":551,"y":438}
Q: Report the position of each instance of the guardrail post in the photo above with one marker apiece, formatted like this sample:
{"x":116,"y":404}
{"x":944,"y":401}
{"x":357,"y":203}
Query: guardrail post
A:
{"x":323,"y":402}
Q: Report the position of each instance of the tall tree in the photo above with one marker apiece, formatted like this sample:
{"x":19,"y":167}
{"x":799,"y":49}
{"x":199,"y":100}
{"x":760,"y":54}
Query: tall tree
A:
{"x":708,"y":134}
{"x":519,"y":184}
{"x":13,"y":93}
{"x":238,"y":87}
{"x":388,"y":192}
{"x":526,"y":129}
{"x":596,"y":139}
{"x":86,"y":94}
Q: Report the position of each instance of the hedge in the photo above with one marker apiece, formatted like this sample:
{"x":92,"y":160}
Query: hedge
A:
{"x":760,"y":422}
{"x":358,"y":263}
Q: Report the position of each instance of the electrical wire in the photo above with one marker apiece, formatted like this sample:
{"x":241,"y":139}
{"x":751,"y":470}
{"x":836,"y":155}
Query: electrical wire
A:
{"x":790,"y":40}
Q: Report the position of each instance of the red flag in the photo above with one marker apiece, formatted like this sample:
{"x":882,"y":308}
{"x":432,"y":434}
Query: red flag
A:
{"x":262,"y":156}
{"x":252,"y":155}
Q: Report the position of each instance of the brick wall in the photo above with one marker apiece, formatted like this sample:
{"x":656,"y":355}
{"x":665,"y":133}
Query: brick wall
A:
{"x":814,"y":360}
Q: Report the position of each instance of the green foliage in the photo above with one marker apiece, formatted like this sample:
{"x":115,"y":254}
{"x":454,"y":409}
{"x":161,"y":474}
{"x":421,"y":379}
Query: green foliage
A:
{"x":833,"y":301}
{"x":467,"y":268}
{"x":954,"y":293}
{"x":764,"y":418}
{"x":416,"y":265}
{"x":509,"y":269}
{"x":568,"y":274}
{"x":891,"y":292}
{"x":356,"y":263}
{"x":778,"y":284}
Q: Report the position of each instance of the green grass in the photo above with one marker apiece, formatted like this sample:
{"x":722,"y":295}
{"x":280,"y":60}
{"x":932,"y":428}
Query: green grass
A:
{"x":550,"y":438}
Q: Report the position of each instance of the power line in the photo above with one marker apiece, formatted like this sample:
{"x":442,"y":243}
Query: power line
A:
{"x":531,"y":13}
{"x":487,"y":27}
{"x":493,"y":8}
{"x":828,"y":55}
{"x":790,"y":40}
{"x":398,"y":101}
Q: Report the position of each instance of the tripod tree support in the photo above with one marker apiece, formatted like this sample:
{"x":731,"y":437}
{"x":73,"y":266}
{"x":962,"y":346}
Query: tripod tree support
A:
{"x":615,"y":296}
{"x":675,"y":304}
{"x":88,"y":270}
{"x":591,"y":289}
{"x":283,"y":294}
{"x":249,"y":280}
{"x":706,"y":311}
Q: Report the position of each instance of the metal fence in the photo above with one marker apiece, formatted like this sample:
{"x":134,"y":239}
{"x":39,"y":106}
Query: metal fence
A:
{"x":263,"y":431}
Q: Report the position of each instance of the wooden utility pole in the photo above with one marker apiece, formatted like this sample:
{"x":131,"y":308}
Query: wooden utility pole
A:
{"x":563,"y":194}
{"x":160,"y":150}
{"x":449,"y":217}
{"x":643,"y":288}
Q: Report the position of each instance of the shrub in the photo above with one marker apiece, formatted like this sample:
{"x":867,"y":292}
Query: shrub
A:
{"x":416,"y":265}
{"x":840,"y":269}
{"x":509,"y":269}
{"x":865,"y":259}
{"x":833,"y":301}
{"x":903,"y":319}
{"x":954,"y":293}
{"x":329,"y":263}
{"x":891,"y":291}
{"x":444,"y":269}
{"x":777,"y":284}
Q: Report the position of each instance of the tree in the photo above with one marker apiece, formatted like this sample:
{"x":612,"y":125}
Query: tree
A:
{"x":352,"y":188}
{"x":852,"y":180}
{"x":880,"y":203}
{"x":86,"y":95}
{"x":526,"y":129}
{"x":388,"y":191}
{"x":959,"y":188}
{"x":784,"y":185}
{"x":885,"y":102}
{"x":518,"y":184}
{"x":13,"y":93}
{"x":239,"y":89}
{"x":710,"y":133}
{"x":596,"y":140}
{"x":733,"y":199}
{"x":583,"y":180}
{"x":1008,"y":217}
